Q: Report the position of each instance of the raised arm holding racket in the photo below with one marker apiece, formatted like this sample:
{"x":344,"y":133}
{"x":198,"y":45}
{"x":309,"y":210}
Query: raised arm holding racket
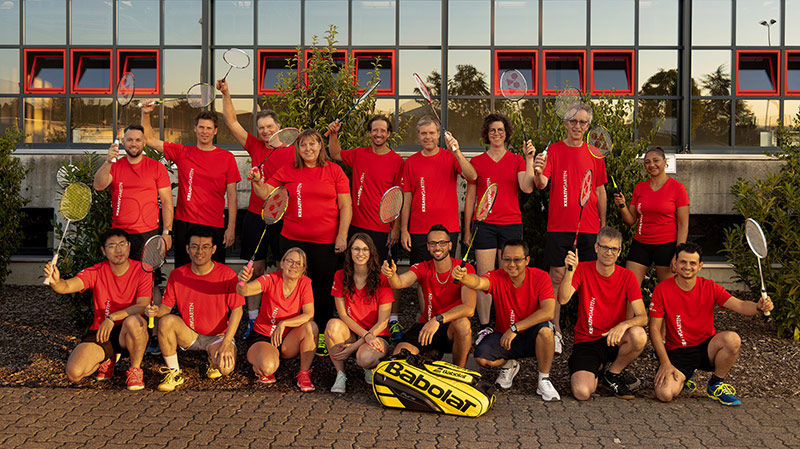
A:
{"x":513,"y":86}
{"x":370,"y":88}
{"x":587,"y":186}
{"x":75,"y":203}
{"x":481,"y":213}
{"x":758,"y":244}
{"x":566,"y":106}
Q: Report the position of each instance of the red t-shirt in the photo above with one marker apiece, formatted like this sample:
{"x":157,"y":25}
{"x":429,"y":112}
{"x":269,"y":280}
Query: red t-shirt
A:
{"x":275,"y":307}
{"x":134,"y":194}
{"x":432,"y":182}
{"x":602,"y":300}
{"x":505,"y":209}
{"x":373,"y":175}
{"x":110,"y":292}
{"x":203,"y":301}
{"x":360,"y":307}
{"x":439,"y":292}
{"x":203,"y":177}
{"x":258,"y":151}
{"x":565,"y":168}
{"x":689,"y":315}
{"x":313,"y":211}
{"x":512,"y":304}
{"x":658,"y":211}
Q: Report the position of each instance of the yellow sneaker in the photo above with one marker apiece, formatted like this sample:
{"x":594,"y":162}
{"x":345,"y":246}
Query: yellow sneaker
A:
{"x":171,"y":380}
{"x":212,"y":373}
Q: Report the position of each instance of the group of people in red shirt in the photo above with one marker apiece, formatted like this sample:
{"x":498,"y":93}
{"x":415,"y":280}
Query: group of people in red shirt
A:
{"x":291,"y":310}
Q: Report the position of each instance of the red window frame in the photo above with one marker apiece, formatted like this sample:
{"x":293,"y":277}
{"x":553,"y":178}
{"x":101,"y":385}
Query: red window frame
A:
{"x":563,"y":54}
{"x":774,"y":57}
{"x":371,"y":54}
{"x":795,"y":56}
{"x":31,"y":57}
{"x":123,"y":56}
{"x":336,"y":54}
{"x":517,"y":54}
{"x":77,"y":57}
{"x":608,"y":54}
{"x":272,"y":53}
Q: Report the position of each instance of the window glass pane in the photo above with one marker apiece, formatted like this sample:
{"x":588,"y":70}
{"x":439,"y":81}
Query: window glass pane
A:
{"x":9,"y":113}
{"x":662,"y":114}
{"x":244,"y":115}
{"x":711,"y":22}
{"x":9,"y":22}
{"x":658,"y":22}
{"x":386,"y":106}
{"x":793,"y":73}
{"x":713,"y":127}
{"x":421,"y":22}
{"x":240,"y":81}
{"x":612,"y":22}
{"x":516,"y":22}
{"x":272,"y":65}
{"x":45,"y":120}
{"x":611,"y":72}
{"x":411,"y":110}
{"x":792,"y":16}
{"x":45,"y":22}
{"x":93,"y":72}
{"x":181,"y":70}
{"x":790,"y":110}
{"x":279,"y":22}
{"x":366,"y":68}
{"x":424,"y":62}
{"x":9,"y":71}
{"x":468,"y":72}
{"x":320,"y":15}
{"x":46,"y":71}
{"x":374,"y":22}
{"x":91,"y":120}
{"x":711,"y":72}
{"x":757,"y":72}
{"x":233,"y":22}
{"x":755,"y":121}
{"x":137,"y":22}
{"x":525,"y":63}
{"x":564,"y":71}
{"x":91,"y":22}
{"x":658,"y":72}
{"x":143,"y":66}
{"x":462,"y":116}
{"x":469,"y":22}
{"x":185,"y":17}
{"x":178,"y":123}
{"x":750,"y":14}
{"x":564,"y":22}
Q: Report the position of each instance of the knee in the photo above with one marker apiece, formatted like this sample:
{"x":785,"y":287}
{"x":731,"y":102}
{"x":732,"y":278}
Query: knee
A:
{"x":545,"y":334}
{"x":581,"y":392}
{"x":367,"y":358}
{"x":73,"y":374}
{"x":311,"y":329}
{"x":664,"y":395}
{"x":480,"y":360}
{"x":637,"y":337}
{"x":462,"y":328}
{"x":731,"y":340}
{"x":335,"y":325}
{"x":166,"y":324}
{"x":135,"y":326}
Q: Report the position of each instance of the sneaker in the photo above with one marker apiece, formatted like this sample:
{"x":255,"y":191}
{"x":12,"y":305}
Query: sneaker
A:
{"x":615,"y":383}
{"x":304,"y":381}
{"x":339,"y":385}
{"x":559,"y":343}
{"x":322,"y":351}
{"x":396,"y":329}
{"x":106,"y":369}
{"x":507,"y":373}
{"x":268,"y":380}
{"x":134,"y":379}
{"x":250,"y":324}
{"x":212,"y":373}
{"x":547,"y":391}
{"x":630,"y":380}
{"x":368,"y":376}
{"x":690,"y":386}
{"x":483,"y":333}
{"x":152,"y":346}
{"x":724,"y":393}
{"x":171,"y":380}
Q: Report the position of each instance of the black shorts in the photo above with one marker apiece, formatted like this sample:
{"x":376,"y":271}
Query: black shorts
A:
{"x":557,"y":244}
{"x":491,"y":236}
{"x":523,"y":346}
{"x":256,"y":337}
{"x":137,"y":243}
{"x":440,"y":344}
{"x":111,"y":347}
{"x":691,"y":358}
{"x":419,"y":247}
{"x":252,"y":227}
{"x":591,"y":356}
{"x":181,"y":240}
{"x":645,"y":254}
{"x":378,"y":238}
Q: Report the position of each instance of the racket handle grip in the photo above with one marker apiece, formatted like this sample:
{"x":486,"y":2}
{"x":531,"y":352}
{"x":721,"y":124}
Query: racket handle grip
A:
{"x":574,"y":248}
{"x":249,"y":267}
{"x":53,"y":262}
{"x":150,"y":322}
{"x":615,"y":192}
{"x":764,"y":296}
{"x":462,"y":265}
{"x":116,"y":142}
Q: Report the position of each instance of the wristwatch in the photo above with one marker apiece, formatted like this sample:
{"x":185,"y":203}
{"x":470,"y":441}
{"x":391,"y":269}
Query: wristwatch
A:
{"x":167,"y":232}
{"x":440,"y":318}
{"x":514,"y":328}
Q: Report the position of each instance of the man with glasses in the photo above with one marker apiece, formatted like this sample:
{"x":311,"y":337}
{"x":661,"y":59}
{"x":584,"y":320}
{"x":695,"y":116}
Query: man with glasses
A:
{"x":566,"y":162}
{"x":444,"y":326}
{"x":120,"y":292}
{"x":205,"y":292}
{"x":605,"y":341}
{"x":523,"y":303}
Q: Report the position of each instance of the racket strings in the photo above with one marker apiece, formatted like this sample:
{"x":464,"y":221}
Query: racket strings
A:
{"x":755,"y":238}
{"x":275,"y":205}
{"x":567,"y":103}
{"x":486,"y":203}
{"x":236,"y":58}
{"x":586,"y":188}
{"x":283,"y":137}
{"x":200,"y":95}
{"x":125,"y":89}
{"x":513,"y":85}
{"x":153,"y":254}
{"x":75,"y":201}
{"x":391,"y":205}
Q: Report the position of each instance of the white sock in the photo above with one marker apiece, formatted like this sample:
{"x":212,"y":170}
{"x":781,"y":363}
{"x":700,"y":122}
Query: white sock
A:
{"x":172,"y":361}
{"x":543,"y":375}
{"x":393,"y":317}
{"x":252,"y":314}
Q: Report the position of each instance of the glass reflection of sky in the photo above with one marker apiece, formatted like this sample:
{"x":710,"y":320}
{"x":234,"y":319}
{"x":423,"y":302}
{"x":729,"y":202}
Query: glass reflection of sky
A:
{"x":233,"y":22}
{"x":279,"y":22}
{"x":181,"y":70}
{"x":612,"y":22}
{"x":91,"y":22}
{"x":138,"y":22}
{"x":711,"y":22}
{"x":9,"y":22}
{"x":564,"y":22}
{"x":793,"y":17}
{"x":610,"y":73}
{"x":651,"y":62}
{"x":45,"y":22}
{"x":469,"y":22}
{"x":374,"y":22}
{"x":754,"y":74}
{"x":422,"y":62}
{"x":793,"y":74}
{"x":749,"y":14}
{"x":658,"y":22}
{"x":480,"y":59}
{"x":420,"y":22}
{"x":320,"y":14}
{"x":240,"y":81}
{"x":516,"y":22}
{"x":184,"y":26}
{"x":705,"y":62}
{"x":9,"y":71}
{"x":94,"y":73}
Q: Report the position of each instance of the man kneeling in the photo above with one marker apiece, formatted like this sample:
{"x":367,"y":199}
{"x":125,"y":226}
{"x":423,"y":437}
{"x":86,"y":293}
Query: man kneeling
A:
{"x":604,"y":339}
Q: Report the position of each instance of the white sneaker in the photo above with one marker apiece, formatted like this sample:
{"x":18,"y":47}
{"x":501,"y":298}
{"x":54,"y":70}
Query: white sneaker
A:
{"x":559,"y":343}
{"x":507,"y":373}
{"x":482,"y":333}
{"x":368,"y":376}
{"x":340,"y":384}
{"x":547,"y":391}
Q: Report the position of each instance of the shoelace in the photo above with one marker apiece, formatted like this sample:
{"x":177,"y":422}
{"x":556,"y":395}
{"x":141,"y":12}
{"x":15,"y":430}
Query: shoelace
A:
{"x":723,"y":388}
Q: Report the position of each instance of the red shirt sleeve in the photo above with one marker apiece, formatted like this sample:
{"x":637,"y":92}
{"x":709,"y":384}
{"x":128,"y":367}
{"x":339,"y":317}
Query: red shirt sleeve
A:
{"x":304,"y":290}
{"x":174,"y":151}
{"x":348,"y":156}
{"x":340,"y":179}
{"x":721,"y":296}
{"x":384,"y":293}
{"x":232,"y":174}
{"x":681,"y":196}
{"x":657,"y":302}
{"x":144,"y":287}
{"x":600,"y":176}
{"x":88,"y":276}
{"x":632,"y":289}
{"x":162,"y":177}
{"x":404,"y":178}
{"x":337,"y":290}
{"x":169,"y":294}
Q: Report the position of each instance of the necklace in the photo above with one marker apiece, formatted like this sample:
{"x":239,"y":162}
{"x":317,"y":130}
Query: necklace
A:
{"x":435,"y":273}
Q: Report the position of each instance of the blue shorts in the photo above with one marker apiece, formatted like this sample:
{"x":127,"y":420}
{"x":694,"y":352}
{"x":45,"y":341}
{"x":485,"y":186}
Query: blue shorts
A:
{"x":524,"y":346}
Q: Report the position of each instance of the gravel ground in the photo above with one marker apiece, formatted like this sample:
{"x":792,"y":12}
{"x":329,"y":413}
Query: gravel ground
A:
{"x":36,"y":339}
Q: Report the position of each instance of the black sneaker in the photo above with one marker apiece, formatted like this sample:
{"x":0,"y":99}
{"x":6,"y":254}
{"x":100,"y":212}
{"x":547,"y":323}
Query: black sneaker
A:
{"x":616,"y":384}
{"x":630,"y":380}
{"x":152,"y":346}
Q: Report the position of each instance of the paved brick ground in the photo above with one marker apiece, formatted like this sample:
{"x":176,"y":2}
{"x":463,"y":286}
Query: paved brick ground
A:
{"x":81,"y":417}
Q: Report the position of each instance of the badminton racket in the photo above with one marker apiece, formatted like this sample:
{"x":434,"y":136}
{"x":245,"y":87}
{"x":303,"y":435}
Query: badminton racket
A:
{"x":274,"y":207}
{"x":63,"y":174}
{"x":483,"y":210}
{"x":75,"y":203}
{"x":758,"y":244}
{"x":616,"y":190}
{"x":125,"y":89}
{"x":513,"y":86}
{"x":235,"y":58}
{"x":282,"y":138}
{"x":389,"y":209}
{"x":586,"y":193}
{"x":370,"y":88}
{"x":566,"y":106}
{"x":154,"y":254}
{"x":199,"y":95}
{"x":423,"y":89}
{"x":600,"y":143}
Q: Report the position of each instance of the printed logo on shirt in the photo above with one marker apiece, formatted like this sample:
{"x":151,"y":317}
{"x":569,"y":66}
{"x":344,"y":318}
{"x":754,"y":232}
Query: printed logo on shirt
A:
{"x":564,"y":186}
{"x":191,"y":315}
{"x":299,"y":200}
{"x":512,"y":318}
{"x":273,"y":321}
{"x":108,"y":308}
{"x":591,"y":316}
{"x":430,"y":306}
{"x":679,"y":329}
{"x":641,"y":218}
{"x":360,"y":189}
{"x":119,"y":199}
{"x":189,"y":189}
{"x":422,"y":189}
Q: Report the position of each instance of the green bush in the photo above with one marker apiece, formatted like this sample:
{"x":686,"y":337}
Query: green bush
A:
{"x":11,"y":176}
{"x":773,"y":202}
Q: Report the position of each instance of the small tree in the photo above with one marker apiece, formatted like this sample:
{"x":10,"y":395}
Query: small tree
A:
{"x":12,"y":173}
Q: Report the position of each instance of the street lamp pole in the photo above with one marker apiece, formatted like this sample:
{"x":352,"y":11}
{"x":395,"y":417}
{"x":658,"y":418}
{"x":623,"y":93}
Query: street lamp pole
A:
{"x":768,"y":24}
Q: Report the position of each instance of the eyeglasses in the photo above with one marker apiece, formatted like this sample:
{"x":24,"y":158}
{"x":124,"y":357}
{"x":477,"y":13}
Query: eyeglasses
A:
{"x":293,"y":263}
{"x":574,"y":122}
{"x":514,"y":260}
{"x":360,"y":250}
{"x":119,"y":245}
{"x":609,"y":249}
{"x":439,"y":243}
{"x":497,"y":131}
{"x":195,"y":248}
